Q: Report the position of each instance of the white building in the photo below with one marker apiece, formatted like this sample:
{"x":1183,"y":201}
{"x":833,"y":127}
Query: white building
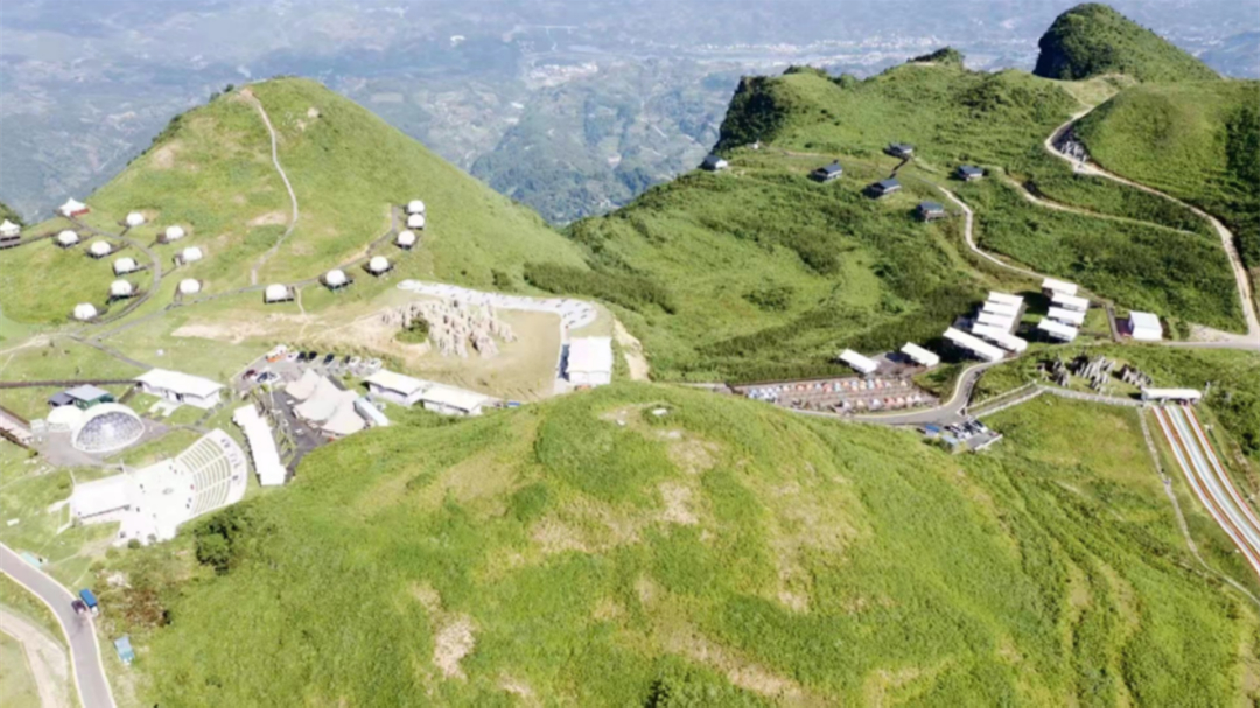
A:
{"x":415,"y":206}
{"x":1050,"y":286}
{"x":1006,"y":298}
{"x":84,"y":311}
{"x":406,"y":240}
{"x":189,"y":286}
{"x":994,"y":319}
{"x":335,"y":278}
{"x":122,"y":266}
{"x":8,"y":229}
{"x":395,"y":387}
{"x":174,"y":233}
{"x":277,"y":293}
{"x":860,"y":364}
{"x":416,"y":221}
{"x":262,"y":446}
{"x":150,"y":504}
{"x":1000,"y":337}
{"x":67,"y":238}
{"x":1069,"y":302}
{"x":192,"y":254}
{"x":373,"y":415}
{"x":1171,"y":394}
{"x":1005,"y":309}
{"x":134,"y":219}
{"x":1145,"y":327}
{"x":121,"y":289}
{"x":590,"y":361}
{"x":378,"y":265}
{"x":72,"y":208}
{"x":100,"y":249}
{"x":450,"y":400}
{"x":920,"y":355}
{"x":183,"y":388}
{"x":1066,"y":316}
{"x":975,"y":345}
{"x":1057,"y":330}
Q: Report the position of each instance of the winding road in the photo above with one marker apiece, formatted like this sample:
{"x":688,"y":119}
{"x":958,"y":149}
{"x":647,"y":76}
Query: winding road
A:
{"x":85,"y":657}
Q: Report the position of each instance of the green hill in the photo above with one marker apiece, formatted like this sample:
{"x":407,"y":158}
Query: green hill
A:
{"x":1094,"y":40}
{"x":1199,"y":142}
{"x":211,"y":172}
{"x":722,"y":554}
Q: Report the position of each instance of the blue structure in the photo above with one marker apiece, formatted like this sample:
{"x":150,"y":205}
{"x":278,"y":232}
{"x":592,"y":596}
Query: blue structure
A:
{"x":126,"y":654}
{"x":88,"y":598}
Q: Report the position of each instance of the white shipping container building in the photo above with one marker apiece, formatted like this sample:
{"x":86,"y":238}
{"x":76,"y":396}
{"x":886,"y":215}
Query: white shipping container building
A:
{"x":1000,"y":337}
{"x":395,"y":387}
{"x":1069,"y":302}
{"x":1006,"y":298}
{"x":995,"y":320}
{"x":1145,"y":327}
{"x":860,"y":364}
{"x":590,"y":361}
{"x":1058,"y":330}
{"x":975,"y":345}
{"x":1001,"y":308}
{"x":1066,"y":316}
{"x":920,"y":355}
{"x":1171,"y":394}
{"x":1053,"y":285}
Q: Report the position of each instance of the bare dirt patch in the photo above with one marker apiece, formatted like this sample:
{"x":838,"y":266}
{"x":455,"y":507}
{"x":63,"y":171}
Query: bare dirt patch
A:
{"x":271,"y":218}
{"x":453,"y":642}
{"x":693,"y":456}
{"x":678,"y":504}
{"x":164,"y":157}
{"x":632,"y":350}
{"x":740,"y":671}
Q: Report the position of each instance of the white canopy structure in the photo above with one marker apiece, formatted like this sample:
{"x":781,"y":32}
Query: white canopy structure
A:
{"x":1058,"y":330}
{"x":975,"y":345}
{"x":335,"y":278}
{"x":415,"y":221}
{"x":1006,"y":298}
{"x":178,"y":386}
{"x":346,"y":420}
{"x":378,"y":265}
{"x":1171,"y":394}
{"x":8,"y":229}
{"x":67,"y":238}
{"x":304,"y":386}
{"x":125,"y":265}
{"x":262,"y":446}
{"x":1145,"y":327}
{"x":1054,"y":285}
{"x":100,"y":249}
{"x":1000,"y":337}
{"x":192,"y":254}
{"x":1069,"y":302}
{"x":860,"y":364}
{"x":134,"y":219}
{"x":276,"y":293}
{"x":72,"y":207}
{"x":415,"y":206}
{"x":590,"y":361}
{"x":1066,"y":316}
{"x":174,"y":233}
{"x":406,"y":239}
{"x":189,"y":286}
{"x":920,"y":355}
{"x":995,"y":320}
{"x":84,"y":311}
{"x":121,"y":288}
{"x":324,"y":402}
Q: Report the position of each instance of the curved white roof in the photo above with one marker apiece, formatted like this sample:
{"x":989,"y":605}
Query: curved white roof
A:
{"x":192,"y":253}
{"x":415,"y":221}
{"x":378,"y":264}
{"x":67,"y":238}
{"x":84,"y":311}
{"x":415,"y":206}
{"x":335,"y":277}
{"x":8,"y":228}
{"x":107,"y":427}
{"x":135,"y":218}
{"x":100,"y":248}
{"x":275,"y":292}
{"x":406,"y":238}
{"x":121,"y":288}
{"x":179,"y":382}
{"x":189,"y":286}
{"x":65,"y":417}
{"x":124,"y":265}
{"x":174,"y":233}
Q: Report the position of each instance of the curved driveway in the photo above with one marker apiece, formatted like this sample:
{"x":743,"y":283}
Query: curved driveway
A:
{"x":89,"y":672}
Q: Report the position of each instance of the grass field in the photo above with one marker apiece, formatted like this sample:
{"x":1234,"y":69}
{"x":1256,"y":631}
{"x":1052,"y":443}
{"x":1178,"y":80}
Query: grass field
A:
{"x":724,"y":548}
{"x":60,"y":358}
{"x":17,"y":685}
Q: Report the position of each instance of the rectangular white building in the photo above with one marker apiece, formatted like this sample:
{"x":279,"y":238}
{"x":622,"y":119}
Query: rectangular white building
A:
{"x":1145,"y":327}
{"x":975,"y":345}
{"x":1006,"y":298}
{"x":1000,"y":337}
{"x":1171,"y":394}
{"x":1058,"y":330}
{"x":1069,"y":302}
{"x":262,"y":446}
{"x":1001,"y":308}
{"x":920,"y":355}
{"x":590,"y":361}
{"x":450,"y":400}
{"x":1066,"y":316}
{"x":1050,"y":286}
{"x":995,"y":320}
{"x":860,"y":364}
{"x":397,"y":388}
{"x":183,"y":388}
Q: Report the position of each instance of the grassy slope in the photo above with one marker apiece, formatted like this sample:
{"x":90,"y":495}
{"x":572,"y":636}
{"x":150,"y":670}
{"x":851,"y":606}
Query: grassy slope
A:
{"x":1198,"y":142}
{"x":1094,"y":40}
{"x":211,"y":171}
{"x":839,"y":564}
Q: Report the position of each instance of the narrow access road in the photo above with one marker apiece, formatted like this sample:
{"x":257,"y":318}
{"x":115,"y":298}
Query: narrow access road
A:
{"x":275,"y":160}
{"x":1054,"y":144}
{"x":89,"y":671}
{"x":969,"y":237}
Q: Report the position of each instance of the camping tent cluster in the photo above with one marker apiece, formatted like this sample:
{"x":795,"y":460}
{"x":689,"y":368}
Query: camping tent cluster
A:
{"x":416,"y":215}
{"x":325,"y":406}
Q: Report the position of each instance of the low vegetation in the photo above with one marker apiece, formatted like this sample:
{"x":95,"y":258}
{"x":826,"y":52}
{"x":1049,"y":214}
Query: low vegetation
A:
{"x":723,"y":553}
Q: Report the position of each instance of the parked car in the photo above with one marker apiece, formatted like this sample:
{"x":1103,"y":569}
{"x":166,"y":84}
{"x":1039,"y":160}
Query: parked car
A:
{"x":355,"y":361}
{"x":330,"y":359}
{"x":78,"y":607}
{"x":291,"y":357}
{"x":312,"y":355}
{"x":267,"y":376}
{"x":345,"y":360}
{"x":251,"y":374}
{"x":89,"y":601}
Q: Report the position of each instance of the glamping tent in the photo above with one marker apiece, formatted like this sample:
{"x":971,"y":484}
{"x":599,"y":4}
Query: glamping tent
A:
{"x":406,"y":240}
{"x":84,"y":311}
{"x":125,"y":265}
{"x":134,"y":219}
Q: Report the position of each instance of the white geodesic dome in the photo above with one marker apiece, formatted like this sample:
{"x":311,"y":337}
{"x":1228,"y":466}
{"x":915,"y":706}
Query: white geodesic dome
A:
{"x":135,"y":218}
{"x":378,"y":264}
{"x":192,"y":254}
{"x":67,"y":238}
{"x":125,"y":265}
{"x":100,"y":248}
{"x":84,"y":311}
{"x":415,"y":206}
{"x":415,"y":221}
{"x":406,"y":239}
{"x":174,"y":233}
{"x":335,"y":278}
{"x":190,"y":286}
{"x":106,"y":428}
{"x":121,"y":288}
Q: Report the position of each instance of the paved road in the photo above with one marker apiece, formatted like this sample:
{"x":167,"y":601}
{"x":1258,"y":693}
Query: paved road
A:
{"x":89,"y":673}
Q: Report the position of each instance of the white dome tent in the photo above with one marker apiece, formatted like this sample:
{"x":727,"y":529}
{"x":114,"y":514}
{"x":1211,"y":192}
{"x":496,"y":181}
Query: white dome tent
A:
{"x":336,"y":279}
{"x":406,"y":239}
{"x":100,"y":249}
{"x":415,"y":206}
{"x":121,"y":288}
{"x":174,"y":233}
{"x":67,"y":238}
{"x":134,"y":219}
{"x":125,"y":265}
{"x":378,"y":265}
{"x":8,"y":229}
{"x":416,"y":221}
{"x":277,"y":293}
{"x":192,"y":254}
{"x":84,"y":311}
{"x":189,"y":286}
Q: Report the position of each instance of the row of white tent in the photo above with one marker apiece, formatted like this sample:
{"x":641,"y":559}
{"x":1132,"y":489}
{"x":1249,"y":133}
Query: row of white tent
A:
{"x":416,"y":217}
{"x":1067,"y":311}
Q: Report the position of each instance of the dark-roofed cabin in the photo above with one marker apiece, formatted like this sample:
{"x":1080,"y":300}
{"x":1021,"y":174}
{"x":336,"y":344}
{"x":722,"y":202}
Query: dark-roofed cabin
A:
{"x":713,"y":163}
{"x":61,"y":399}
{"x":88,"y":395}
{"x":884,"y":188}
{"x":827,"y":173}
{"x":968,"y":173}
{"x":928,"y":211}
{"x":901,"y":150}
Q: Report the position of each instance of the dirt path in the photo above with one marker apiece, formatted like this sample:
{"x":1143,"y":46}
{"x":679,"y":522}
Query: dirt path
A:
{"x":45,"y":657}
{"x":632,"y":350}
{"x":1060,"y":144}
{"x":969,"y":237}
{"x":275,"y":160}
